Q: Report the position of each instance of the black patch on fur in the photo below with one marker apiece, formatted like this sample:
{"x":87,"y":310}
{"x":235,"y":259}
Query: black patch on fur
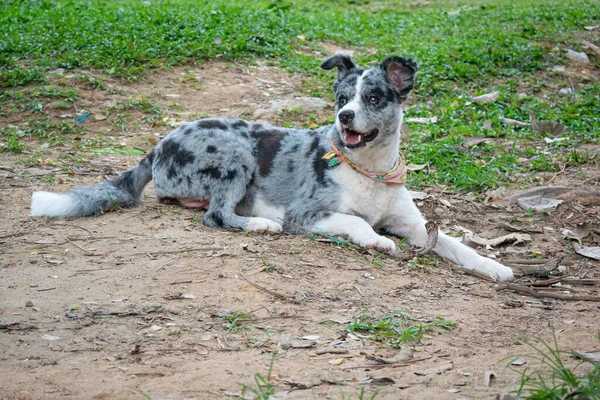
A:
{"x":231,"y":174}
{"x":189,"y":180}
{"x":211,"y":149}
{"x":187,"y":131}
{"x":211,"y":124}
{"x":171,"y":172}
{"x":149,"y":158}
{"x":173,"y":152}
{"x":269,"y":144}
{"x":239,"y":124}
{"x":179,"y":181}
{"x":290,"y":166}
{"x":213,"y":172}
{"x":216,"y":217}
{"x":313,"y":147}
{"x":320,"y":166}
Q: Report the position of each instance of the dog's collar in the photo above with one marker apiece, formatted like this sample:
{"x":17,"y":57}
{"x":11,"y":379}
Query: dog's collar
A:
{"x":395,"y":175}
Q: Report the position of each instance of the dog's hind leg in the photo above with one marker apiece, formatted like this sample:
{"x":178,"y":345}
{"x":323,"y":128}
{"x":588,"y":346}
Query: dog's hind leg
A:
{"x":408,"y":222}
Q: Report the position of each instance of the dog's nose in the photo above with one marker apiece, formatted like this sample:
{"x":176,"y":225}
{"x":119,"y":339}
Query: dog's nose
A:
{"x":346,"y":116}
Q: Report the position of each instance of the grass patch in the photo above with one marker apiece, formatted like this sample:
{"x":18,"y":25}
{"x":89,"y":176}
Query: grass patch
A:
{"x":463,"y":50}
{"x":553,"y":380}
{"x":395,"y":329}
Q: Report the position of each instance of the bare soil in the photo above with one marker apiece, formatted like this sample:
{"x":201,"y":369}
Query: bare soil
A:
{"x":134,"y":302}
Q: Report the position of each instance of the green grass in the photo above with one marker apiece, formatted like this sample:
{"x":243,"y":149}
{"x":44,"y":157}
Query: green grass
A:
{"x":395,"y":329}
{"x":464,"y":49}
{"x":554,"y":380}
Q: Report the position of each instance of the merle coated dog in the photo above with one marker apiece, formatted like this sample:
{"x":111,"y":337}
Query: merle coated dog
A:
{"x":344,"y":179}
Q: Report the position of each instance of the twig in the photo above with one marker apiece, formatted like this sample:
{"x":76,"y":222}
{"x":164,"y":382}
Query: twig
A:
{"x":180,"y":282}
{"x":379,"y":366}
{"x":79,"y":247}
{"x":546,"y":282}
{"x":16,"y":326}
{"x":46,"y":290}
{"x":533,"y":293}
{"x":77,"y":226}
{"x":179,"y":251}
{"x":331,"y":351}
{"x":432,"y":237}
{"x":272,"y":293}
{"x":469,"y":271}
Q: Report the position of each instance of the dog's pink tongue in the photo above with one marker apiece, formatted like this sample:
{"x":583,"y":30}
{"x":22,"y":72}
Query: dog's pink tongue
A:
{"x":352,"y":139}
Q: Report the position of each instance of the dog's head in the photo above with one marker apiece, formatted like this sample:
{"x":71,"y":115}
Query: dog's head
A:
{"x":368,"y":103}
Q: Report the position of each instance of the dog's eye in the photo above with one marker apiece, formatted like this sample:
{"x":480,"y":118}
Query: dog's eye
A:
{"x":342,"y":101}
{"x":374,"y":100}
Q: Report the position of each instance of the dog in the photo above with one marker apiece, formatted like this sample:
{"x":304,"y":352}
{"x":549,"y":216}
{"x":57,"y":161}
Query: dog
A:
{"x":346,"y":179}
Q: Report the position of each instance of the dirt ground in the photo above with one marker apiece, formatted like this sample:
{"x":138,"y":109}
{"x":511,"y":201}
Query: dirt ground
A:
{"x":134,"y":303}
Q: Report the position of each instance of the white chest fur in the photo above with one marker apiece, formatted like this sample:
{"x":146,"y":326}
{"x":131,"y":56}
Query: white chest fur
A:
{"x":362,"y":196}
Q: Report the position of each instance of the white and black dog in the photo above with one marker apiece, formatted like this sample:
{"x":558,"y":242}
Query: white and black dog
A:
{"x":344,"y":179}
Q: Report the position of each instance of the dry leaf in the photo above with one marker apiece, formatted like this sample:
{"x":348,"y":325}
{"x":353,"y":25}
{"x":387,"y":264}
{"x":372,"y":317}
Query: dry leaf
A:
{"x":518,"y":361}
{"x":486,"y":98}
{"x":436,"y":370}
{"x":338,"y":361}
{"x":487,"y":377}
{"x":595,"y":49}
{"x":538,"y":203}
{"x":487,"y":124}
{"x":402,"y":356}
{"x":513,"y":122}
{"x":50,"y":337}
{"x":418,"y":195}
{"x":578,"y":233}
{"x":546,"y":127}
{"x":591,"y":27}
{"x":475,"y":141}
{"x":422,"y":121}
{"x":416,"y":167}
{"x":313,"y":125}
{"x":589,"y":252}
{"x":593,"y":357}
{"x":514,"y":238}
{"x":558,"y":139}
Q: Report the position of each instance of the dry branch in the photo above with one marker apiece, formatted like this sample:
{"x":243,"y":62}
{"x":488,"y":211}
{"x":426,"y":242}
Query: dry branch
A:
{"x":534,"y":293}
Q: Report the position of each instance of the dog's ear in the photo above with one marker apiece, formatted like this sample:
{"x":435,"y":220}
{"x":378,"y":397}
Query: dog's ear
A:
{"x":401,"y":73}
{"x":343,"y":63}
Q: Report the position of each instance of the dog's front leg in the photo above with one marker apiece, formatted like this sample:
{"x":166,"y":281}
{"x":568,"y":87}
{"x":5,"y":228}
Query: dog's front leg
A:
{"x":407,"y":221}
{"x":356,"y":230}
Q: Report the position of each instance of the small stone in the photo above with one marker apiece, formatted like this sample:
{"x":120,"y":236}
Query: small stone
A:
{"x":558,"y":68}
{"x":578,"y":56}
{"x":28,"y":303}
{"x":565,"y":92}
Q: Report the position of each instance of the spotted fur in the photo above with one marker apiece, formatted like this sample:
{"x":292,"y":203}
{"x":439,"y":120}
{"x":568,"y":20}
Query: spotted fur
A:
{"x":258,"y":177}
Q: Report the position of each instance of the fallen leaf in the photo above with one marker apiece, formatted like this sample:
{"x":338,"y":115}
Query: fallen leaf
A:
{"x":558,"y":139}
{"x":301,"y":37}
{"x":514,"y":238}
{"x":578,"y":233}
{"x":377,"y":380}
{"x":402,"y":356}
{"x":313,"y":125}
{"x":474,"y":241}
{"x":595,"y":49}
{"x":486,"y":98}
{"x":50,"y":337}
{"x":422,"y":121}
{"x":416,"y":167}
{"x":338,"y":361}
{"x":593,"y":357}
{"x":589,"y":252}
{"x":63,"y":116}
{"x":517,"y":362}
{"x":418,"y":195}
{"x":487,"y":124}
{"x":445,"y":202}
{"x":475,"y":141}
{"x":551,"y":128}
{"x":99,"y":117}
{"x":487,"y":377}
{"x":436,"y":370}
{"x":538,"y":203}
{"x":591,"y":27}
{"x":218,"y":41}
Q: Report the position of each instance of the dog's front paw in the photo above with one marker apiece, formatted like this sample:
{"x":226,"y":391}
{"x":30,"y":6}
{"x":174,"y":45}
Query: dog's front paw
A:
{"x":263,"y":225}
{"x":380,"y":243}
{"x":496,"y":270}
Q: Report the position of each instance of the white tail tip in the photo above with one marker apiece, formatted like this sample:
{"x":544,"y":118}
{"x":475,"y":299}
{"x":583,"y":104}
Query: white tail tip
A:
{"x":52,"y":205}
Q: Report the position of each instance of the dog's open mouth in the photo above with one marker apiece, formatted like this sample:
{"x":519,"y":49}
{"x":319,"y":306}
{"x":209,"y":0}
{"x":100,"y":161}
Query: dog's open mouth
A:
{"x":355,"y":139}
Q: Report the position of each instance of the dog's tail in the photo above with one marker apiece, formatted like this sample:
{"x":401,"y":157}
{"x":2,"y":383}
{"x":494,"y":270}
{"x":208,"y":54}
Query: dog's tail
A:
{"x":123,"y":191}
